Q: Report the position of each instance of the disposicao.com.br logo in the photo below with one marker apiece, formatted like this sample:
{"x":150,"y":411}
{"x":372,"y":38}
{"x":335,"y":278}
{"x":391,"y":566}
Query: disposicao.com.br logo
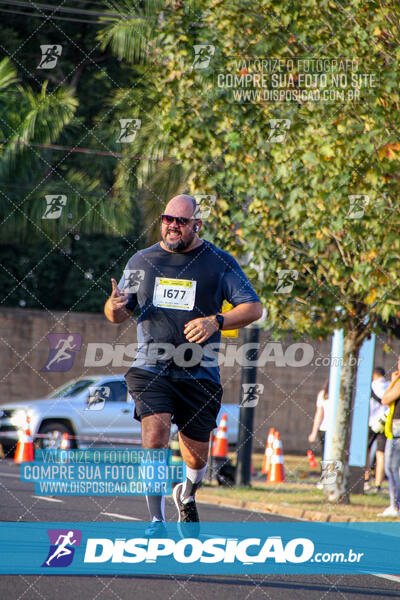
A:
{"x":190,"y":550}
{"x":248,"y":551}
{"x":219,"y":548}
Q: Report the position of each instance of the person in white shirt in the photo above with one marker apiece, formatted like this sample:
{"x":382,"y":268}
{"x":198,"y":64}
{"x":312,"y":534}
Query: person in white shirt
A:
{"x":321,"y":417}
{"x":376,"y":436}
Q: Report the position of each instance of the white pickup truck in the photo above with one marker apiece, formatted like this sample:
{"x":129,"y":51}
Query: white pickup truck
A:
{"x":98,"y":410}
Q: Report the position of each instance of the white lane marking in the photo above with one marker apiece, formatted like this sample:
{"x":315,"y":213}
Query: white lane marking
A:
{"x":48,"y":499}
{"x":9,"y":475}
{"x":118,"y":516}
{"x":390,"y":577}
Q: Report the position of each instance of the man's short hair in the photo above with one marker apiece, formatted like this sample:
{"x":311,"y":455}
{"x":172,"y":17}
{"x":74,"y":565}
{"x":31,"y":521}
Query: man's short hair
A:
{"x":380,"y":371}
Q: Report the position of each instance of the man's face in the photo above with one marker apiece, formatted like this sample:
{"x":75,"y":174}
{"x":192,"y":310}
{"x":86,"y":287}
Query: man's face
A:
{"x":178,"y":237}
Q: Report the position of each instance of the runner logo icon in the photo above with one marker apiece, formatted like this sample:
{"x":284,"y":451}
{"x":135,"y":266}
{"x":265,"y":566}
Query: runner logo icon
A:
{"x":132,"y":280}
{"x":62,"y":547}
{"x":251,"y":394}
{"x":358,"y":203}
{"x":202,"y":55}
{"x":62,"y":351}
{"x":97,"y":397}
{"x":279,"y":128}
{"x":129,"y":129}
{"x":286,"y":279}
{"x":330,"y":470}
{"x":50,"y":55}
{"x":205,"y":202}
{"x":54,"y":206}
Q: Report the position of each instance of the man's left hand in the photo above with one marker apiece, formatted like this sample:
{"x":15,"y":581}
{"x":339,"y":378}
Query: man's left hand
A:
{"x":199,"y":330}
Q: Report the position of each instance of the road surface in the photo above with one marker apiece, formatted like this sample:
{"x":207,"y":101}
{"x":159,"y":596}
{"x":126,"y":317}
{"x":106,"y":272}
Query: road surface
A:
{"x":18,"y":503}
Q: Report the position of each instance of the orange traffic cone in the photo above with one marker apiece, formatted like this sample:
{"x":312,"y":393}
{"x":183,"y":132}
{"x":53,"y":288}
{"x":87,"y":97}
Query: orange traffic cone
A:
{"x":311,"y":459}
{"x":277,"y":471}
{"x":268,"y":452}
{"x":65,"y":442}
{"x":220,"y":445}
{"x":24,"y":451}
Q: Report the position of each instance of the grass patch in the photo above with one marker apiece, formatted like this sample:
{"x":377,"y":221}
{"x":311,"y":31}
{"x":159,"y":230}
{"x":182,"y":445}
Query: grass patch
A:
{"x":300,"y":492}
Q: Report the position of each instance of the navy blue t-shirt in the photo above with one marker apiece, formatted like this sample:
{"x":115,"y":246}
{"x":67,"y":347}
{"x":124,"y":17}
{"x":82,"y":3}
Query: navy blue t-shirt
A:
{"x":173,"y":288}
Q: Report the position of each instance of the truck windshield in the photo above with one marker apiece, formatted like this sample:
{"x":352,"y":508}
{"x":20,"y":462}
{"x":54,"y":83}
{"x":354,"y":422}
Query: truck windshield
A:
{"x":72,"y":389}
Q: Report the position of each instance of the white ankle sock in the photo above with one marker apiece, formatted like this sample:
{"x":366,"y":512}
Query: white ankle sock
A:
{"x":193,"y":477}
{"x":156,"y":506}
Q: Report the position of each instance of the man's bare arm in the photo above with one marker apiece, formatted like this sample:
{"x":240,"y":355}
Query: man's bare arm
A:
{"x":200,"y":329}
{"x":391,"y":394}
{"x":242,"y":315}
{"x":114,"y":308}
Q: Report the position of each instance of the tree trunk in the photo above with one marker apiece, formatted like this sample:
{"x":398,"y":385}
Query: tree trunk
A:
{"x":338,"y":491}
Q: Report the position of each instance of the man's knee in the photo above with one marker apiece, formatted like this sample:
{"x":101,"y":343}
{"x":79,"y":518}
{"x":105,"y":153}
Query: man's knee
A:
{"x":194,"y":453}
{"x":156,"y":439}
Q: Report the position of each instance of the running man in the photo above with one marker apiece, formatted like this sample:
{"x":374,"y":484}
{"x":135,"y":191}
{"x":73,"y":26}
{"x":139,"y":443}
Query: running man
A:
{"x":56,"y":204}
{"x":180,"y":297}
{"x":63,"y":346}
{"x":50,"y":56}
{"x":62,"y":549}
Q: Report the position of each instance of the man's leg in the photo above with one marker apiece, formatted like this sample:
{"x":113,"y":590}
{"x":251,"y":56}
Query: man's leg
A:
{"x":379,"y":468}
{"x":396,"y":471}
{"x":195,"y":455}
{"x":389,"y":471}
{"x":155,"y":435}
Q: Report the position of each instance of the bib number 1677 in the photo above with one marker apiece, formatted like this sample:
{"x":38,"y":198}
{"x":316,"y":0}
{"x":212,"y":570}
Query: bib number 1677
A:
{"x":178,"y":294}
{"x":174,"y":293}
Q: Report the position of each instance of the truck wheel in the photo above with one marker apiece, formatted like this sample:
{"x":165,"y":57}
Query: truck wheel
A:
{"x":55,"y":431}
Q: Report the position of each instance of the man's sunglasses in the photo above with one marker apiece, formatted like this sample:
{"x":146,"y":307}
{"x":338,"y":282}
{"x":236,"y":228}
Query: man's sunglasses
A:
{"x":180,"y":221}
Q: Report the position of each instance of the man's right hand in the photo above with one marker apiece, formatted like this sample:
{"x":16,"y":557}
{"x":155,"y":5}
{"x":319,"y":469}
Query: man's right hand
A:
{"x":118,"y":298}
{"x":114,"y":308}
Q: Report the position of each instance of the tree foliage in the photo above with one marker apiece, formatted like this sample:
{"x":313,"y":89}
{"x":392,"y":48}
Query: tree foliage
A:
{"x":286,"y":204}
{"x":75,"y":106}
{"x":75,"y":277}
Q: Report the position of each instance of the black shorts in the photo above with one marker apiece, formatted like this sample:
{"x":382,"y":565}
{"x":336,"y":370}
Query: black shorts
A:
{"x":380,"y":440}
{"x":193,"y":403}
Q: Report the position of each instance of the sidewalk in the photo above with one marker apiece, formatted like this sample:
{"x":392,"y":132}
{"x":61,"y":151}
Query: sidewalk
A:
{"x":298,"y":497}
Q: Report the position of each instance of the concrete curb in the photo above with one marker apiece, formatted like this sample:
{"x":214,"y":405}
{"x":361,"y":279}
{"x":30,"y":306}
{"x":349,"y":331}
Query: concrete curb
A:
{"x":278,"y":509}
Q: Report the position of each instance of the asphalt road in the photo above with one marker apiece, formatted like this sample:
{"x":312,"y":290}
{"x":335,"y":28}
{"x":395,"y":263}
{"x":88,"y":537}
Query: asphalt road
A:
{"x":18,"y":503}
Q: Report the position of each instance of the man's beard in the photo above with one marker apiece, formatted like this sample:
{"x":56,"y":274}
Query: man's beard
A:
{"x":180,"y":245}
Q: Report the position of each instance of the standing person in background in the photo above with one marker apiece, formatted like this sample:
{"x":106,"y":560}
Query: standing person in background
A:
{"x":391,"y":398}
{"x":321,"y":417}
{"x":376,"y":426}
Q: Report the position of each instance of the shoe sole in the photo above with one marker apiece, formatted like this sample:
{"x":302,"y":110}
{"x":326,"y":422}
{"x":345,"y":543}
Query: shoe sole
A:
{"x":185,"y":530}
{"x":175,"y":497}
{"x":387,"y":515}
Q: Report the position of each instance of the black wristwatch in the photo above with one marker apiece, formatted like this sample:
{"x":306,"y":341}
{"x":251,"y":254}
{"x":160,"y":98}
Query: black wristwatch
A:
{"x":220,"y":321}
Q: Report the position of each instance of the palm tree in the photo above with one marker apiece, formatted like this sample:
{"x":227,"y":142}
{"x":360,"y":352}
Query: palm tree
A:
{"x":154,"y":177}
{"x":30,"y":123}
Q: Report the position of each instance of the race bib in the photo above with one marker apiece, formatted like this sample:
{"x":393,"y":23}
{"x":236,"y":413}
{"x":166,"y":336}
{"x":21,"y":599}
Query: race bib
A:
{"x":174,"y":293}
